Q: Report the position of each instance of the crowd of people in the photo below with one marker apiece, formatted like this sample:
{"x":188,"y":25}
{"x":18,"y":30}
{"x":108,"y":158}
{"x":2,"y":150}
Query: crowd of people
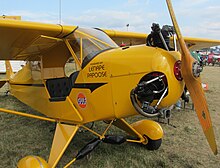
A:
{"x":210,"y":58}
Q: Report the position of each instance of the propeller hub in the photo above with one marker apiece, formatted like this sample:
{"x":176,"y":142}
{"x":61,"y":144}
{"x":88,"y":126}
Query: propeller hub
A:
{"x":196,"y":69}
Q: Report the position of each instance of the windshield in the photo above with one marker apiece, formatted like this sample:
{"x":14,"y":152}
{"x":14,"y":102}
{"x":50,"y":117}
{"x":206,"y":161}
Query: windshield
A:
{"x":87,"y":43}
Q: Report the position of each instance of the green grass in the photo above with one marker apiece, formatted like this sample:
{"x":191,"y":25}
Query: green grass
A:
{"x":183,"y":145}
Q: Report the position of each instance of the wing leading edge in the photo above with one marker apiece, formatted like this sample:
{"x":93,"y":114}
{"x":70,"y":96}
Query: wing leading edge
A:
{"x":131,"y":38}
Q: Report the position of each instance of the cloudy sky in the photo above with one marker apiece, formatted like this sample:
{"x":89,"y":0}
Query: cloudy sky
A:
{"x":197,"y":18}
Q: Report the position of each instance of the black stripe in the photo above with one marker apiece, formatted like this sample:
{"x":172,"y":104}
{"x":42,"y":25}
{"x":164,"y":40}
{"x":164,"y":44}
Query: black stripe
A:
{"x":90,"y":86}
{"x":70,"y":32}
{"x":23,"y":84}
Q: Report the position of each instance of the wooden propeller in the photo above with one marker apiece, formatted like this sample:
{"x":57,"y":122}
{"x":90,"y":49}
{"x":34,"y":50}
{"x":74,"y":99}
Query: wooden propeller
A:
{"x":190,"y":73}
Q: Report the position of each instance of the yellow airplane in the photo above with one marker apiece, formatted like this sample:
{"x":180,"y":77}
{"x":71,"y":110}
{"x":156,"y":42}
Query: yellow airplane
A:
{"x":102,"y":82}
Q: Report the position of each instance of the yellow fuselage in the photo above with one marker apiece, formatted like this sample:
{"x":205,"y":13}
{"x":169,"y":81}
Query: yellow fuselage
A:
{"x":102,"y":88}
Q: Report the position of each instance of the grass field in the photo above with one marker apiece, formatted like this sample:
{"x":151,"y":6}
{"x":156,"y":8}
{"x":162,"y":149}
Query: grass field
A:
{"x":184,"y":144}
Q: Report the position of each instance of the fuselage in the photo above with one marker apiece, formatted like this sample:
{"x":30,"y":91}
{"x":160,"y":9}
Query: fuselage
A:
{"x":101,"y":89}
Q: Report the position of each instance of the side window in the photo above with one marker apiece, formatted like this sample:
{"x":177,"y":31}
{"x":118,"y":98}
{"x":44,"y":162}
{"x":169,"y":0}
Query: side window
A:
{"x":70,"y":67}
{"x":84,"y":45}
{"x":35,"y":70}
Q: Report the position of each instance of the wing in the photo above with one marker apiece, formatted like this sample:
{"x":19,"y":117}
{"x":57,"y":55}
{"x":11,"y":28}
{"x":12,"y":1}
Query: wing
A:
{"x":131,"y":38}
{"x":28,"y":40}
{"x":200,"y":43}
{"x":128,"y":38}
{"x":21,"y":40}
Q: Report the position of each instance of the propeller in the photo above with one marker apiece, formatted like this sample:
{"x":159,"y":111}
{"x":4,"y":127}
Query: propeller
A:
{"x":190,"y":72}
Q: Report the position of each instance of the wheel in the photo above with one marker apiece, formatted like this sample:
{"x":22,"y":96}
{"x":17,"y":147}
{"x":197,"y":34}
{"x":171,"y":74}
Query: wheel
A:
{"x":32,"y":162}
{"x":153,"y":144}
{"x":151,"y":131}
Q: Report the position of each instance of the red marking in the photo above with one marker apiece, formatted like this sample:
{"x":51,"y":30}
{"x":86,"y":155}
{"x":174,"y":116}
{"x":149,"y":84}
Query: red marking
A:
{"x":122,"y":45}
{"x":81,"y":99}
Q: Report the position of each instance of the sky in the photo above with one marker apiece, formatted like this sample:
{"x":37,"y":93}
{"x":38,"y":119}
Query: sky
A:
{"x":196,"y":18}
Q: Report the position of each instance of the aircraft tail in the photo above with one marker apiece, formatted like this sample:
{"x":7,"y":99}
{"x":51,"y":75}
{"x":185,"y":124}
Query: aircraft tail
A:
{"x":9,"y":71}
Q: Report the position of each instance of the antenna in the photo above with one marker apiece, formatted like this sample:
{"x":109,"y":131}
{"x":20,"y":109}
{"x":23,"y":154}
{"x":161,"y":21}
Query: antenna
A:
{"x":60,"y":11}
{"x":127,"y":25}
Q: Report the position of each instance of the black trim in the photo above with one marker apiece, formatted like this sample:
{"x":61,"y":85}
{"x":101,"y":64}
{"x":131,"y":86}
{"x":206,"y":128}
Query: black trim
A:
{"x":55,"y":99}
{"x":89,"y":57}
{"x":58,"y":87}
{"x":104,"y":32}
{"x":70,"y":32}
{"x":91,"y":86}
{"x":23,"y":84}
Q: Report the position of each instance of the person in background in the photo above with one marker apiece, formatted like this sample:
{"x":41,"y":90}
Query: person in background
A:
{"x":210,"y":58}
{"x":196,"y":55}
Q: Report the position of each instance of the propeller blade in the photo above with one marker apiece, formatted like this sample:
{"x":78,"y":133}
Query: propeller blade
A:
{"x":193,"y":84}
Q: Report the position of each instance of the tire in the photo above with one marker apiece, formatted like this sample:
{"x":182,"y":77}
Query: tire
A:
{"x":153,"y":144}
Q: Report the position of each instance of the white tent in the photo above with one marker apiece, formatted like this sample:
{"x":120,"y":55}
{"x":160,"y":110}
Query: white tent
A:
{"x":16,"y":66}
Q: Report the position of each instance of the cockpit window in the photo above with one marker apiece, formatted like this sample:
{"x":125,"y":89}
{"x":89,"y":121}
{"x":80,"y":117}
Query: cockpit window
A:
{"x":87,"y":43}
